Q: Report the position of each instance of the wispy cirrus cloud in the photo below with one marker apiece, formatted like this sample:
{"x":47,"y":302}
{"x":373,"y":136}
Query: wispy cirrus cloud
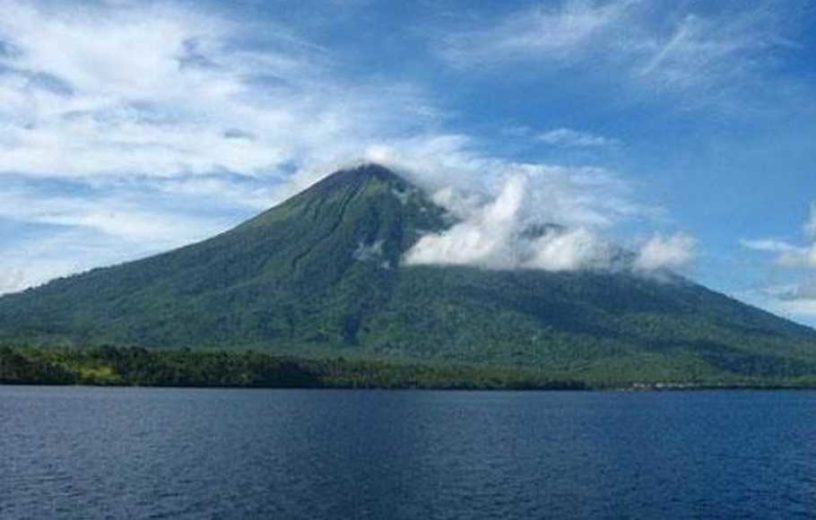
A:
{"x":786,"y":254}
{"x":661,"y":47}
{"x":174,"y":91}
{"x":65,"y":227}
{"x":569,"y":138}
{"x":702,"y":51}
{"x":562,"y":32}
{"x":769,"y":245}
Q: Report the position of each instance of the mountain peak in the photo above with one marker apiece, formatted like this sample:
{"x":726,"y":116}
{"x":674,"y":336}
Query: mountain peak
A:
{"x":323,"y":274}
{"x":357,"y":176}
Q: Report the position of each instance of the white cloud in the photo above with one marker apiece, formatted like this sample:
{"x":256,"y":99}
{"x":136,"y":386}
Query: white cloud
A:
{"x":567,"y":137}
{"x":796,"y":263}
{"x":769,"y":245}
{"x":571,"y":250}
{"x":789,"y":255}
{"x":121,"y":217}
{"x":810,"y":226}
{"x":11,"y":280}
{"x":218,"y":190}
{"x":538,"y":218}
{"x":800,"y":258}
{"x":33,"y":261}
{"x":486,"y":238}
{"x":673,"y":252}
{"x":554,"y":33}
{"x":462,"y":178}
{"x":795,"y":300}
{"x":701,"y":51}
{"x":172,"y":92}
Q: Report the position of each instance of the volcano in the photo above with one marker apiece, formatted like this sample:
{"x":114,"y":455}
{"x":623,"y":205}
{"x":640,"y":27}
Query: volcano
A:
{"x":323,"y":274}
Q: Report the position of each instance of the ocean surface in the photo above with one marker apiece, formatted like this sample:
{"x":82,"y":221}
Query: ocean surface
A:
{"x":89,"y":453}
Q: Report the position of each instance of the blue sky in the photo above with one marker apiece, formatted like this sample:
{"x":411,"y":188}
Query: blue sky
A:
{"x":682,"y":129}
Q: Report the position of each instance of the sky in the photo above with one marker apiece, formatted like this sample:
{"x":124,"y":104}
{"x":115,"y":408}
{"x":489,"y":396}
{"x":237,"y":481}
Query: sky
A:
{"x":682,"y":130}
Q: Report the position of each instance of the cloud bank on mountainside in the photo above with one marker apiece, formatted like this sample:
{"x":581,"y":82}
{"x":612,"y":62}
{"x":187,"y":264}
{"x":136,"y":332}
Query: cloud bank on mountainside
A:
{"x":546,"y":218}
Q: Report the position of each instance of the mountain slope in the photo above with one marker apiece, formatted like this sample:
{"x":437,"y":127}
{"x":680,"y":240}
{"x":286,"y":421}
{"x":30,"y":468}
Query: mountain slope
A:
{"x":321,"y":273}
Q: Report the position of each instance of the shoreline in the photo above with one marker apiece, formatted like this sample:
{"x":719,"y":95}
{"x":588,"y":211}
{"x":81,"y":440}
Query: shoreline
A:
{"x":588,"y":389}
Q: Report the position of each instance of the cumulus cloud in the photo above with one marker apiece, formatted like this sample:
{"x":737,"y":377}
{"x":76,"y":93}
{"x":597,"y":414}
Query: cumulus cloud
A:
{"x":485,"y":238}
{"x":570,"y":250}
{"x":659,"y":252}
{"x":542,"y":219}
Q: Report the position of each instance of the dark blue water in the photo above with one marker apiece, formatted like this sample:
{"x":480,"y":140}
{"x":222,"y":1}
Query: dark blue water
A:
{"x":90,"y":453}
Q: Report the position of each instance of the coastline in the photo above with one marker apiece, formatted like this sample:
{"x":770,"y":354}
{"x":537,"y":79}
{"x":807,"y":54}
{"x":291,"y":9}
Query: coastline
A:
{"x":110,"y":366}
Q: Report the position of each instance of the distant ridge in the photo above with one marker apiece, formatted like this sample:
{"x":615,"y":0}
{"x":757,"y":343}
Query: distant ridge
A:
{"x":322,"y":275}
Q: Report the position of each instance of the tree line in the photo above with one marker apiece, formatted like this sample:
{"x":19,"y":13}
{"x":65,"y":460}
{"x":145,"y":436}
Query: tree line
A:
{"x":135,"y":366}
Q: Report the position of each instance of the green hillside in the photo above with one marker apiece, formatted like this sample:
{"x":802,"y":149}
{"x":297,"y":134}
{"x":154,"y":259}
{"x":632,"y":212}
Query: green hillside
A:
{"x":321,"y":275}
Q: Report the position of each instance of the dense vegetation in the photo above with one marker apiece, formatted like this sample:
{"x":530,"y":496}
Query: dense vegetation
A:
{"x":134,"y":366}
{"x":320,"y":277}
{"x":114,"y":366}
